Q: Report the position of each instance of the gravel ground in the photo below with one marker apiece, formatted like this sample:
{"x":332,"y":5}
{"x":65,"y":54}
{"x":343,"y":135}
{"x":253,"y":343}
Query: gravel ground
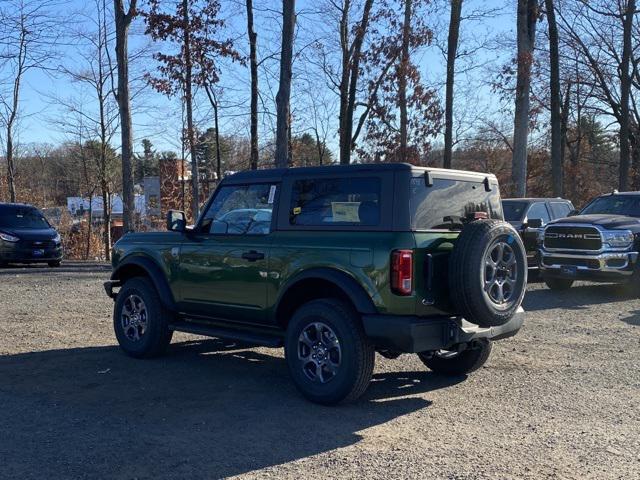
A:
{"x":560,"y":400}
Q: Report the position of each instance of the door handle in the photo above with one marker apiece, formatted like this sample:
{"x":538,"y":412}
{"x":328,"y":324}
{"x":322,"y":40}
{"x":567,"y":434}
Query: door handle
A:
{"x":253,"y":256}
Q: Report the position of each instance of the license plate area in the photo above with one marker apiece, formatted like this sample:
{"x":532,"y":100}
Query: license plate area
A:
{"x":570,"y":270}
{"x":38,"y":252}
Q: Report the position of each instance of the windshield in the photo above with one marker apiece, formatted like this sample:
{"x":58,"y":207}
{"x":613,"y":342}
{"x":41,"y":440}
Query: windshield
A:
{"x":513,"y":211}
{"x":448,"y":204}
{"x":22,"y":218}
{"x":614,"y":205}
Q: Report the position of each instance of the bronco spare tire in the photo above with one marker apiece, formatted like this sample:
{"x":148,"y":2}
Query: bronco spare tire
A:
{"x":488,"y":272}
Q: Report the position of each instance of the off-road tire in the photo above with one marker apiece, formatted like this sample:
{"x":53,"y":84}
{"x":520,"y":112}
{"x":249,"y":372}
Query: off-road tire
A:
{"x":157,"y":336}
{"x":558,"y":284}
{"x":467,"y":361}
{"x":467,"y":270}
{"x":356,"y":358}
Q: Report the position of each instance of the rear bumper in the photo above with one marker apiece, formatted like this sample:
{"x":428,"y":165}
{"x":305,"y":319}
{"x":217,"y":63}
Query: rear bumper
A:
{"x":411,"y":334}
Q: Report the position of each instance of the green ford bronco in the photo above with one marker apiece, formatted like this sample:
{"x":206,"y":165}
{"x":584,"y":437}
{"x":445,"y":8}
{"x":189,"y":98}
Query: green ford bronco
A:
{"x":333,"y":264}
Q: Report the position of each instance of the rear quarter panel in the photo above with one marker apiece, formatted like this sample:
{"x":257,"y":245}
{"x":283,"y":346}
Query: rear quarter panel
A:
{"x":364,"y":256}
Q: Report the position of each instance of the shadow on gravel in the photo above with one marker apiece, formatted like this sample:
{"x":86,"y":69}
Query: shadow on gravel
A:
{"x":633,"y":319}
{"x":67,"y":267}
{"x":202,"y":411}
{"x":576,"y":298}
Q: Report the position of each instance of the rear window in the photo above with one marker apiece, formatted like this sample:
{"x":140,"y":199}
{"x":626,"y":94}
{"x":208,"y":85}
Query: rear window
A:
{"x":513,"y":211}
{"x":22,"y":217}
{"x":335,"y":201}
{"x":448,"y":204}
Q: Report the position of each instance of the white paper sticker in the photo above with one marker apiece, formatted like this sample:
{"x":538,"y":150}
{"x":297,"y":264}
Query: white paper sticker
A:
{"x":272,"y":194}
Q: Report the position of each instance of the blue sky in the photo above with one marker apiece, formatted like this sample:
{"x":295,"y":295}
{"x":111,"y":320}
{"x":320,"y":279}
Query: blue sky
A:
{"x":159,"y":118}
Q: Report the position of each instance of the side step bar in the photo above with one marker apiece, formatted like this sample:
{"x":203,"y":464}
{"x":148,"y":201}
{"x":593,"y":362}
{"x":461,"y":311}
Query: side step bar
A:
{"x":262,"y":339}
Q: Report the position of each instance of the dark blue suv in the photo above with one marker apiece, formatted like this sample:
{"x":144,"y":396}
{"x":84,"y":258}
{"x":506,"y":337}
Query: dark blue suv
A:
{"x":27,"y":237}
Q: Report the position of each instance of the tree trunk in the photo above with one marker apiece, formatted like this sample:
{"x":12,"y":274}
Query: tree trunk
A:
{"x":253,"y":65}
{"x":123,"y":21}
{"x":189,"y":105}
{"x":11,"y":171}
{"x":106,"y":220}
{"x":218,"y":158}
{"x":349,"y":85}
{"x":452,"y":53}
{"x":284,"y":91}
{"x":556,"y":114}
{"x":526,"y":24}
{"x":625,"y":88}
{"x":402,"y":80}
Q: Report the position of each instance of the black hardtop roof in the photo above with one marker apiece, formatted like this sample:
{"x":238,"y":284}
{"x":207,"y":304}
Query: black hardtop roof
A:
{"x":536,"y":199}
{"x":274,"y":174}
{"x":17,"y":205}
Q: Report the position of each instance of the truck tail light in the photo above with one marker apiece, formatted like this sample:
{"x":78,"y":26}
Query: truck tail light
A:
{"x":402,"y":272}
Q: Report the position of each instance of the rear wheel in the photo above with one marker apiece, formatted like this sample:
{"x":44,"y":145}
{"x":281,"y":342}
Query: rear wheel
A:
{"x":455,"y":362}
{"x":559,"y":284}
{"x":140,"y":321}
{"x":328,"y":354}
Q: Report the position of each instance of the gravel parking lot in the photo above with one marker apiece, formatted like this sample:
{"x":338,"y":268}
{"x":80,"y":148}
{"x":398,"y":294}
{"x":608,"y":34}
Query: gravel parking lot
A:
{"x":560,"y":400}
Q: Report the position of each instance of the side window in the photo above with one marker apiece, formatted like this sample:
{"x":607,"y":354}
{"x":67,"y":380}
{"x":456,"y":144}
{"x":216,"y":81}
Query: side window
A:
{"x":335,"y":201}
{"x":560,"y":209}
{"x":240,"y":210}
{"x":539,"y":210}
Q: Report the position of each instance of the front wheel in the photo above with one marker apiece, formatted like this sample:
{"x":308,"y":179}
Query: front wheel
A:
{"x":55,"y":263}
{"x":559,"y":284}
{"x":140,"y":321}
{"x":328,"y":354}
{"x":455,"y":362}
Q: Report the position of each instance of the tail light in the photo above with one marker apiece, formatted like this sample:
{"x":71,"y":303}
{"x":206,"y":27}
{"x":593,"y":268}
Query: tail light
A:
{"x":402,"y":272}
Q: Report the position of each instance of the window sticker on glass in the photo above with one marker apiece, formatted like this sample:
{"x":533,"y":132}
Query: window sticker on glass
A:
{"x":345,"y":212}
{"x":272,"y":195}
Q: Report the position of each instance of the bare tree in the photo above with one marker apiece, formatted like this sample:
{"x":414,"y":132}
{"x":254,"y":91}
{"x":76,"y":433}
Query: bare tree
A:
{"x":351,"y":43}
{"x":253,"y":66}
{"x":28,"y":35}
{"x":555,"y":102}
{"x":625,"y":90}
{"x":123,"y":21}
{"x":97,"y":118}
{"x":527,"y":17}
{"x":403,"y":73}
{"x":452,"y":53}
{"x":283,"y":98}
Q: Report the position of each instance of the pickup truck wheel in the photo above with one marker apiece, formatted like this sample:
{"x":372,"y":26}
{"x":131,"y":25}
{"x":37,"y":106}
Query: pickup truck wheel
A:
{"x":458,"y":362}
{"x":558,"y":284}
{"x":488,"y":272}
{"x":140,"y":321}
{"x":329,"y":356}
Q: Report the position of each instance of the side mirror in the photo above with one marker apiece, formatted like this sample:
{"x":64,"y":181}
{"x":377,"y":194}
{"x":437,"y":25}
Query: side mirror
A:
{"x":573,"y":213}
{"x":534,"y":223}
{"x":176,"y":221}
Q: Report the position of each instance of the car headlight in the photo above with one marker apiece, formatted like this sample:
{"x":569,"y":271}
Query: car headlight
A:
{"x":9,"y":238}
{"x":540,"y":236}
{"x":618,"y":238}
{"x":57,"y":238}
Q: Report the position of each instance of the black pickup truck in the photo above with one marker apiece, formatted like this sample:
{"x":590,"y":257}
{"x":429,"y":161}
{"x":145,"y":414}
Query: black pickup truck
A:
{"x":600,"y":243}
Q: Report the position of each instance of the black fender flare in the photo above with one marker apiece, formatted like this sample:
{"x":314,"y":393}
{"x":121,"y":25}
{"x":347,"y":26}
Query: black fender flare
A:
{"x":153,"y":271}
{"x":357,"y":294}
